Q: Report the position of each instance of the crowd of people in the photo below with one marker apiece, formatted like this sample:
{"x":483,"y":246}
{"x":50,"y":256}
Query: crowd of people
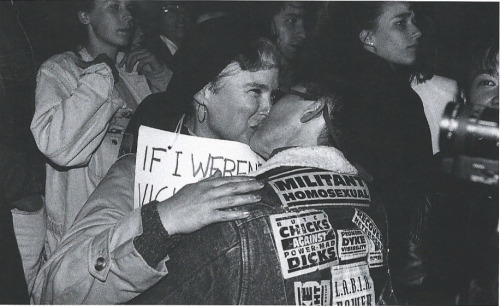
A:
{"x":342,"y":101}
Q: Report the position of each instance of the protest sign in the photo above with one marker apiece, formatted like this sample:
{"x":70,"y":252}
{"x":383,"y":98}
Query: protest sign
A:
{"x":168,"y":161}
{"x":305,"y":242}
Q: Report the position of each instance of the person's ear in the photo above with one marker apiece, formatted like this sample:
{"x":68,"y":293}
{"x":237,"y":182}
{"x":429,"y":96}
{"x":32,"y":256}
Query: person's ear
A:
{"x":313,"y":110}
{"x":202,"y":96}
{"x":83,"y":17}
{"x":367,"y":38}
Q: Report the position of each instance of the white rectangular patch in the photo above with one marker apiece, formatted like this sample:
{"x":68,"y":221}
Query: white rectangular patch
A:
{"x":352,"y":285}
{"x":370,"y":229}
{"x":305,"y":242}
{"x":312,"y":293}
{"x":320,"y":188}
{"x":368,"y":226}
{"x":352,"y":243}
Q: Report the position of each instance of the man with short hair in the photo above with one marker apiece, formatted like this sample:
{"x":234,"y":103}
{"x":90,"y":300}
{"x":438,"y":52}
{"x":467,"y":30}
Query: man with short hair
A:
{"x":165,"y":24}
{"x":317,"y":237}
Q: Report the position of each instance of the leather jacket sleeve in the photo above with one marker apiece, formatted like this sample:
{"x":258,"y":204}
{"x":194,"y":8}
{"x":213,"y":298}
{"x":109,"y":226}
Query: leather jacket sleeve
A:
{"x":410,"y":252}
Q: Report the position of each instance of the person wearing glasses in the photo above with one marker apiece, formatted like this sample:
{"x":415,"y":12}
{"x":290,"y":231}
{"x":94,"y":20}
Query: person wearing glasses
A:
{"x":165,"y":25}
{"x":309,"y":241}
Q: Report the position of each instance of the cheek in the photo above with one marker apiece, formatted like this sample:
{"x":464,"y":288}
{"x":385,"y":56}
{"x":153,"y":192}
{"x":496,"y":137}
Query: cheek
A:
{"x":236,"y":110}
{"x":481,"y":96}
{"x":281,"y":33}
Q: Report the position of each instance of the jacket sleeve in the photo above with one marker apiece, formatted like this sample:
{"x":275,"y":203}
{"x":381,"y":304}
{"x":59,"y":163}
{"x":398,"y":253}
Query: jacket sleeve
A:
{"x":72,"y":113}
{"x":96,"y":262}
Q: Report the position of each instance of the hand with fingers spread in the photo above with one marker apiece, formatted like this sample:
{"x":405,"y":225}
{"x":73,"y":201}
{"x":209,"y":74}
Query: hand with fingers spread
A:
{"x":101,"y":58}
{"x":200,"y":204}
{"x":145,"y":60}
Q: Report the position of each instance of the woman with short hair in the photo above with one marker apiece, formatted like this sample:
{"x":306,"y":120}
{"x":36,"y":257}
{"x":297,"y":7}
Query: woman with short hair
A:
{"x":376,"y":52}
{"x":83,"y":104}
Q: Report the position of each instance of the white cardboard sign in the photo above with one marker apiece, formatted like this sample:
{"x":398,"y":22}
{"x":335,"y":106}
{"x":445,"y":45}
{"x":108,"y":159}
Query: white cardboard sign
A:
{"x":168,"y":161}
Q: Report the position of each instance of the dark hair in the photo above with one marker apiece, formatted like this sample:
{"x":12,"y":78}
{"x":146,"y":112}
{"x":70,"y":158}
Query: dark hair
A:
{"x":209,"y":48}
{"x":482,"y":57}
{"x":334,"y":136}
{"x":348,"y":19}
{"x":263,"y":12}
{"x":78,"y":30}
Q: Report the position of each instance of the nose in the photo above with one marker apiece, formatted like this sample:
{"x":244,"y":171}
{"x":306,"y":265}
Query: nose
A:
{"x":127,"y":15}
{"x":494,"y":101}
{"x":415,"y":31}
{"x":301,"y":32}
{"x":265,"y":107}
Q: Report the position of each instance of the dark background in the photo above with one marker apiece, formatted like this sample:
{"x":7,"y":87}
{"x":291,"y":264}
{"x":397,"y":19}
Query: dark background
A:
{"x":49,"y":25}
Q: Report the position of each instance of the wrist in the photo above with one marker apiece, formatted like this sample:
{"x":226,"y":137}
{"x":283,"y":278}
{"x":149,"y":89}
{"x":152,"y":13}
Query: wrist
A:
{"x":165,"y":212}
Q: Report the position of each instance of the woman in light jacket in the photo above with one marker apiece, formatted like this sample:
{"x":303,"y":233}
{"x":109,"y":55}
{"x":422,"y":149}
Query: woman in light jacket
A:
{"x":83,"y":104}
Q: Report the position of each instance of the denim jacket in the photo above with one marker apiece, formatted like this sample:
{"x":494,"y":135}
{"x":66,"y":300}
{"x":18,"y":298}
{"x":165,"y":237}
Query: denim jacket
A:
{"x":318,"y":237}
{"x":78,"y":125}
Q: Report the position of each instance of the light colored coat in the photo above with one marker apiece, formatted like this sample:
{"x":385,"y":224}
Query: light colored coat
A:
{"x":75,"y":111}
{"x":104,"y":228}
{"x":435,"y":94}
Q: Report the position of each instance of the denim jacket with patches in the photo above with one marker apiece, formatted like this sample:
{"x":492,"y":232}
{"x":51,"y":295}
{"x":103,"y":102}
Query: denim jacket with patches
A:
{"x":317,"y":237}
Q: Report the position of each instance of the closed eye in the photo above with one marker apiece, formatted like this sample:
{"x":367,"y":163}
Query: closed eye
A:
{"x":256,"y":91}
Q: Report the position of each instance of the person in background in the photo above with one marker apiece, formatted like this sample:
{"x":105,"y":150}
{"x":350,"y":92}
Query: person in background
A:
{"x":165,"y":25}
{"x":21,"y":164}
{"x":481,"y":78}
{"x":375,"y":49}
{"x":465,"y":261}
{"x":434,"y":90}
{"x":481,"y":92}
{"x":288,"y":24}
{"x":83,"y":104}
{"x":267,"y":258}
{"x":115,"y":249}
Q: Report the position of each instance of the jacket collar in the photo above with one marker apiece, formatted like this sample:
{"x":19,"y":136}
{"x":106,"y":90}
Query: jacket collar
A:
{"x":85,"y":55}
{"x":322,"y":157}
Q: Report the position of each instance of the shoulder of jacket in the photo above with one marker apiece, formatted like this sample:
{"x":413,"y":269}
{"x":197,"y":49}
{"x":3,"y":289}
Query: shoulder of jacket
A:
{"x":438,"y":82}
{"x":445,"y":82}
{"x":62,"y":60}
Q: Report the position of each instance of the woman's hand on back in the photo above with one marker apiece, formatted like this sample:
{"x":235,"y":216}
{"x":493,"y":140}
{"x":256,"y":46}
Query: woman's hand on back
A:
{"x":203,"y":203}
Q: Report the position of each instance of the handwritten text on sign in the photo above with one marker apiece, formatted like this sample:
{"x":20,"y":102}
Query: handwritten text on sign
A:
{"x":167,"y":161}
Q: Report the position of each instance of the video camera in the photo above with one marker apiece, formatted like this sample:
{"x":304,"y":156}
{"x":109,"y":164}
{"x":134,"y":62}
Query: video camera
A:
{"x":468,"y":140}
